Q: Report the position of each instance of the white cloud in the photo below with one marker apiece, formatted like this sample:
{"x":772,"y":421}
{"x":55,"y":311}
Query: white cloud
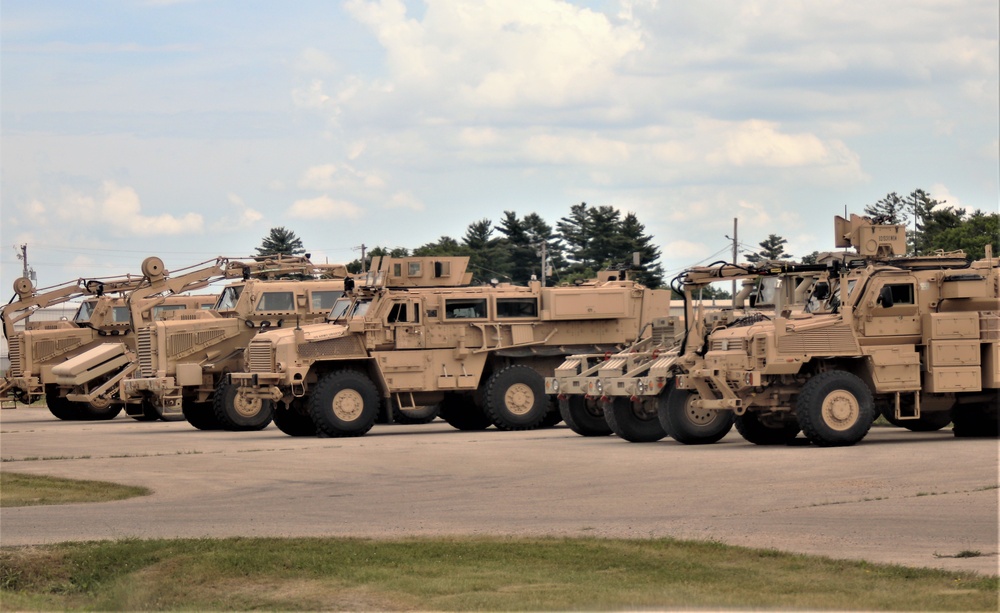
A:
{"x":114,"y":208}
{"x":122,"y":211}
{"x":498,"y":53}
{"x":324,"y":207}
{"x":331,"y":176}
{"x":405,"y":200}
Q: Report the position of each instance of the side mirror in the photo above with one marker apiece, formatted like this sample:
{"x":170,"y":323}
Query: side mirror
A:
{"x":885,"y":297}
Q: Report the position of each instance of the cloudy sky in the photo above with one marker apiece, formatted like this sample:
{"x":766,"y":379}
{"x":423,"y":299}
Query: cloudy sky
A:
{"x":187,"y":128}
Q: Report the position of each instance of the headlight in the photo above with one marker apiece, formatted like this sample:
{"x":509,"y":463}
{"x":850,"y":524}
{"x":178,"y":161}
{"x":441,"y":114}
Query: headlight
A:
{"x":555,"y":385}
{"x":599,"y":386}
{"x":640,"y":386}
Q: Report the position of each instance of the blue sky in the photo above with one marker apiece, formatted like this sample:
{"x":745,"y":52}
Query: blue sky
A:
{"x":187,"y":128}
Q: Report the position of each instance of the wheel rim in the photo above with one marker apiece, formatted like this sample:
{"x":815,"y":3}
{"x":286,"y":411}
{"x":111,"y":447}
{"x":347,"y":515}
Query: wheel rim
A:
{"x":642,"y":411}
{"x":245,"y":406}
{"x":593,"y":409}
{"x":840,"y":410}
{"x":519,"y":399}
{"x":100,"y":403}
{"x":697,"y":415}
{"x":348,"y":404}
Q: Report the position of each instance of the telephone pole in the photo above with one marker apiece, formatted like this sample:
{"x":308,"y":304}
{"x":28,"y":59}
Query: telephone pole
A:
{"x":26,"y":271}
{"x":363,"y":247}
{"x":736,"y":254}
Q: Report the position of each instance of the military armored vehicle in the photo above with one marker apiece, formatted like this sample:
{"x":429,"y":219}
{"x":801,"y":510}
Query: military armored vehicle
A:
{"x":182,"y":361}
{"x":603,"y":394}
{"x":44,"y":345}
{"x":99,"y":372}
{"x":916,"y":338}
{"x":414,"y":334}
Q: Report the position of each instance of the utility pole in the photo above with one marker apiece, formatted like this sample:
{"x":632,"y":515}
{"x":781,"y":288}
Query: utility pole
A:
{"x":363,"y":247}
{"x":735,"y":257}
{"x":26,"y":271}
{"x":736,"y":254}
{"x":544,"y":263}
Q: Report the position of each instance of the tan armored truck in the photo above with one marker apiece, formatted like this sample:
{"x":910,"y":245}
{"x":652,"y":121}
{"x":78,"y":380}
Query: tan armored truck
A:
{"x":913,"y":337}
{"x":99,"y":372}
{"x":604,"y":394}
{"x":414,"y":334}
{"x":44,"y":345}
{"x":182,"y":361}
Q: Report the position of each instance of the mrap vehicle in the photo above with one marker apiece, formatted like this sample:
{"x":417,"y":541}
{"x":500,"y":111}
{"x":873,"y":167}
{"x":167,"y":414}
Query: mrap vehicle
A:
{"x":414,"y":334}
{"x":45,"y":345}
{"x":915,"y":338}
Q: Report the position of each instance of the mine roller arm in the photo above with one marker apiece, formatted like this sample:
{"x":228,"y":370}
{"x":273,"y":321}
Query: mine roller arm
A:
{"x":30,"y":300}
{"x":159,"y":283}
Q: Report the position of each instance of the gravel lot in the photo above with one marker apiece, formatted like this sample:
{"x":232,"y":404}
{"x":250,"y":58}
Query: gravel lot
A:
{"x":901,"y":497}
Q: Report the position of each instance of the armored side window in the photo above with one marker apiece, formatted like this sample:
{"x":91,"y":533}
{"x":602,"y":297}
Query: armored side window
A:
{"x":902,"y":293}
{"x":517,"y":307}
{"x":276,"y":301}
{"x":397,"y":270}
{"x":465,"y":308}
{"x":120,"y":314}
{"x":85,"y":311}
{"x":413,"y":269}
{"x":323,"y":300}
{"x":159,"y":310}
{"x":442,"y":269}
{"x":398,"y":313}
{"x":228,"y":298}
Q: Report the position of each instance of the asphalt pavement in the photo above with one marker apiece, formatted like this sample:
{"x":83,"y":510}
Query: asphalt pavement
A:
{"x":916,"y":499}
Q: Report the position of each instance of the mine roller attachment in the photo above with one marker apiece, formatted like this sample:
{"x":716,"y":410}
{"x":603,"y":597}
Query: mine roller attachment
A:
{"x":23,"y":288}
{"x":152,"y":267}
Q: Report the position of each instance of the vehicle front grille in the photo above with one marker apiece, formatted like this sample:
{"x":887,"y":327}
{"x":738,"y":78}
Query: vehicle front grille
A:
{"x":834,"y":340}
{"x":346,"y":346}
{"x":144,"y":347}
{"x":15,"y":356}
{"x":261,"y":358}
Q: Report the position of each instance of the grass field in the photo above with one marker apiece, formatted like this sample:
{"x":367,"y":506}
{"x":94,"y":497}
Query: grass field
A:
{"x":20,"y":490}
{"x":463,"y":574}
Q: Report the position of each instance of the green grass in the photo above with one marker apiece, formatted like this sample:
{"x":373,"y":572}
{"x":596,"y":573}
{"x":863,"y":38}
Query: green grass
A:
{"x":463,"y":574}
{"x":20,"y":490}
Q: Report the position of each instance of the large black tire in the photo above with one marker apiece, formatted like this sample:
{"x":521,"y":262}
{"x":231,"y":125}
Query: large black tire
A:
{"x":414,"y":415}
{"x":463,"y":413}
{"x":553,"y":417}
{"x":689,"y":425}
{"x":977,"y":420}
{"x":584,"y":416}
{"x":60,"y":407}
{"x":835,"y":409}
{"x":344,"y":403}
{"x":761,"y":430}
{"x":237,"y":413}
{"x":515,"y":399}
{"x":294,"y":420}
{"x":200,"y":415}
{"x":633,"y":421}
{"x":928,"y":422}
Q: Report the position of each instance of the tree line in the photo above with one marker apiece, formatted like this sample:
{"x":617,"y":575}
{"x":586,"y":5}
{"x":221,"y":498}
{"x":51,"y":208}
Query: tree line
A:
{"x":592,"y":238}
{"x":587,"y":240}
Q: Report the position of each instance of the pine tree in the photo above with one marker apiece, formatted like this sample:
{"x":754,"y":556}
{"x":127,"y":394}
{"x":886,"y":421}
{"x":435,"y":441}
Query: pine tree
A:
{"x":888,"y":210}
{"x":772,"y":248}
{"x":280,"y":241}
